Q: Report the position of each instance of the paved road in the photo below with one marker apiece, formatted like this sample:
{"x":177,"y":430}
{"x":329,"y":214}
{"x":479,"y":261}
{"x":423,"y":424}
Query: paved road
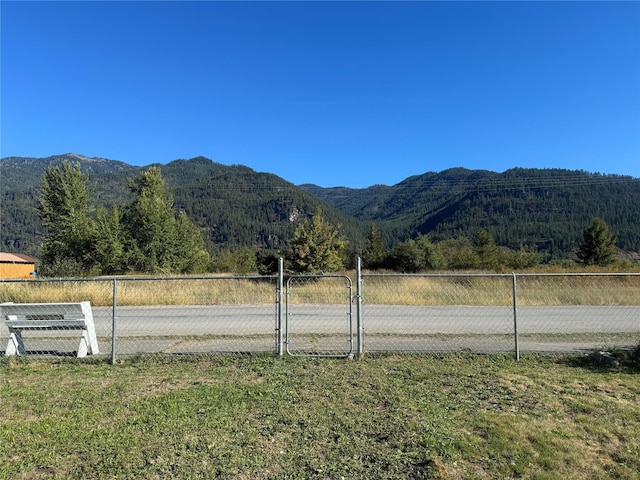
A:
{"x":380,"y":319}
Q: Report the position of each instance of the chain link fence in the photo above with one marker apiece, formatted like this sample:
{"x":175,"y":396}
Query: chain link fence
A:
{"x":151,"y":315}
{"x":501,"y":312}
{"x":49,"y":310}
{"x":426,"y":313}
{"x":322,"y":315}
{"x":579,"y":312}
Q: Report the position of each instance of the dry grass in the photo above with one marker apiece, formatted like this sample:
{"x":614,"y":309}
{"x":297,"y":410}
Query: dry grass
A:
{"x":498,"y":291}
{"x":584,"y":290}
{"x":214,"y":291}
{"x":438,"y":291}
{"x":99,"y":293}
{"x":388,"y":290}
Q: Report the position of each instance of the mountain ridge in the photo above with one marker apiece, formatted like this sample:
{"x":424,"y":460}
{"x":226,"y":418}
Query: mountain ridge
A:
{"x":535,"y":209}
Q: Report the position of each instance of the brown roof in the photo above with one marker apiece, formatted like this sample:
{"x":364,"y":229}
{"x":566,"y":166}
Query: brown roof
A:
{"x":16,"y":258}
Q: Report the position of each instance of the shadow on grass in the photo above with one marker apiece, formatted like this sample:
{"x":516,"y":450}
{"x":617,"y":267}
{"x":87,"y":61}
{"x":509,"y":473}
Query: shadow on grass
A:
{"x":607,"y":360}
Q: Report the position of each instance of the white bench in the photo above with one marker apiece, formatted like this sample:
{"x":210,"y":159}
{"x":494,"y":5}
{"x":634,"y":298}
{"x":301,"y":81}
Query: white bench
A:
{"x":49,"y":316}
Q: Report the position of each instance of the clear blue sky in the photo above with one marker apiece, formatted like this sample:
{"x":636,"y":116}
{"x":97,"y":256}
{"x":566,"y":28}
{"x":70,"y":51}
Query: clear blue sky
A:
{"x":331,"y":93}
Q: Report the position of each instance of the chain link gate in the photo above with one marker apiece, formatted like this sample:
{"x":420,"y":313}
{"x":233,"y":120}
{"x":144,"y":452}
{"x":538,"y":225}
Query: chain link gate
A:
{"x":319,"y":316}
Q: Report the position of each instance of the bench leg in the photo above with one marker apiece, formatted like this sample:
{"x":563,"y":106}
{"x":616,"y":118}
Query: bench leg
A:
{"x":90,"y":332}
{"x":15,"y":346}
{"x":83,"y":348}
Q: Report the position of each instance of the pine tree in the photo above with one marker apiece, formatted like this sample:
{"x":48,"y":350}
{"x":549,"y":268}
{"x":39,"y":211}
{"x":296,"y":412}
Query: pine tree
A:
{"x":373,"y":253}
{"x":191,"y":256}
{"x":160,"y":242}
{"x":64,"y":210}
{"x":110,"y":244}
{"x":150,"y":223}
{"x":485,"y":247}
{"x":316,"y":247}
{"x":598,"y":246}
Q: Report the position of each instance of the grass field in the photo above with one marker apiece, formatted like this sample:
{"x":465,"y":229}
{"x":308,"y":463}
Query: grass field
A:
{"x":251,"y":417}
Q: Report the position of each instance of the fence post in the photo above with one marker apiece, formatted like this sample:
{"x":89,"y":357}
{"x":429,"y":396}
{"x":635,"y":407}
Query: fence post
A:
{"x":515,"y":319}
{"x":279,"y":289}
{"x":113,"y":322}
{"x":360,"y":347}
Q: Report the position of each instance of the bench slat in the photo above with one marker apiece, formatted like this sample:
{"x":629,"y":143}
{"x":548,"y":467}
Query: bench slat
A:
{"x":44,"y":317}
{"x":41,"y":324}
{"x":42,"y":308}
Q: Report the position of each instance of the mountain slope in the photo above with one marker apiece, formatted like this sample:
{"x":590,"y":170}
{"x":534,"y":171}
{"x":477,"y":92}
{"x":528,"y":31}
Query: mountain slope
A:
{"x":233,"y":205}
{"x":240,"y":207}
{"x":545,"y":210}
{"x":28,"y":171}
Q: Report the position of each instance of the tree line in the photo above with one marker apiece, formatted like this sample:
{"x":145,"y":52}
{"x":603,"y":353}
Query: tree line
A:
{"x":148,"y":235}
{"x":317,"y":247}
{"x":478,"y":253}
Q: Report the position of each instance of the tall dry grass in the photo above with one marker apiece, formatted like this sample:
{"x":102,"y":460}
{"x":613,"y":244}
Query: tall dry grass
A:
{"x":143,"y":292}
{"x":388,"y":290}
{"x":98,"y":293}
{"x":498,"y":291}
{"x":437,"y":290}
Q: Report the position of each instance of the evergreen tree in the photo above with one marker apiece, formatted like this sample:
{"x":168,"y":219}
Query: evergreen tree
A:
{"x":150,"y":222}
{"x":191,"y":256}
{"x":416,"y":255}
{"x":316,"y":247}
{"x":147,"y":237}
{"x":598,"y":246}
{"x":64,"y":210}
{"x":373,"y":253}
{"x":407,"y":258}
{"x":110,"y":244}
{"x":160,"y":242}
{"x":486,"y":250}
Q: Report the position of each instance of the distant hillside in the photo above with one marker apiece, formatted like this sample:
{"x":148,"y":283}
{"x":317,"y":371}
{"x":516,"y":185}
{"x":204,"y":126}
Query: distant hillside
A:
{"x":546,"y":210}
{"x":543,"y":210}
{"x":237,"y":206}
{"x":20,"y":179}
{"x":234,"y":205}
{"x":27,"y":172}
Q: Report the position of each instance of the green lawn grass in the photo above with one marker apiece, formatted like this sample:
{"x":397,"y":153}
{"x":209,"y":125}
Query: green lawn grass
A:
{"x":249,"y":417}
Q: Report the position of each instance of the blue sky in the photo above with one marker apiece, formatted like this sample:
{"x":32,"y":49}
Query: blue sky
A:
{"x":331,"y":93}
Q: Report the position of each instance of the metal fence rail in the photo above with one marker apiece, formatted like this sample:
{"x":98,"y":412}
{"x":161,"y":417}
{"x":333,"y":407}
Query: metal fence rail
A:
{"x":333,"y":315}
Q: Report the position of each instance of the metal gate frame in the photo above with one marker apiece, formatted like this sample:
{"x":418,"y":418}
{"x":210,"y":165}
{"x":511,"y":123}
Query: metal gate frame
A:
{"x":287,"y":337}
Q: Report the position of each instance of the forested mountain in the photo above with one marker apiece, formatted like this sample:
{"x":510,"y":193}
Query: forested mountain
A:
{"x":233,"y":205}
{"x":543,"y":210}
{"x":237,"y":206}
{"x":20,"y":180}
